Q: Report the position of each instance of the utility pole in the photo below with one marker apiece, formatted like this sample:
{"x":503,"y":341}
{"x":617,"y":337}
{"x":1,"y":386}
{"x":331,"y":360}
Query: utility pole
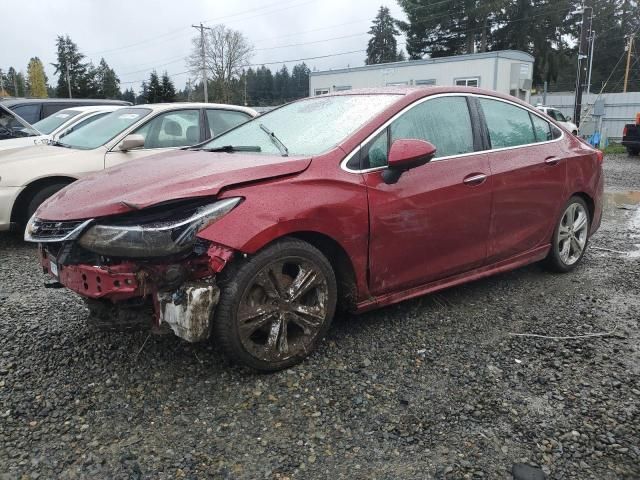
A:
{"x":593,"y":43}
{"x":626,"y":71}
{"x":585,"y":30}
{"x":68,"y":78}
{"x":1,"y":82}
{"x":204,"y":60}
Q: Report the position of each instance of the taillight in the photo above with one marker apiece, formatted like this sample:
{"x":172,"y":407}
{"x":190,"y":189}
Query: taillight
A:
{"x":624,"y":131}
{"x":600,"y":156}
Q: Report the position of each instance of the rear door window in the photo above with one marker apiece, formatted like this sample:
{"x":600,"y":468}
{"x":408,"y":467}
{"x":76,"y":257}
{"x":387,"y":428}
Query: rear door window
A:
{"x":222,"y":120}
{"x":30,"y":113}
{"x":508,"y":125}
{"x":541,"y":128}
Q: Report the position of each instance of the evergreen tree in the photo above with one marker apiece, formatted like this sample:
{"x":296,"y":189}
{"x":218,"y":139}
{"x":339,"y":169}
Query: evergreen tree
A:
{"x":37,"y":80}
{"x":106,"y":81}
{"x":440,"y":28}
{"x":14,"y":83}
{"x":154,"y":89}
{"x":281,"y":84}
{"x":129,"y":95}
{"x":383,"y":47}
{"x":300,"y":81}
{"x":168,"y":90}
{"x":144,"y":94}
{"x":70,"y":61}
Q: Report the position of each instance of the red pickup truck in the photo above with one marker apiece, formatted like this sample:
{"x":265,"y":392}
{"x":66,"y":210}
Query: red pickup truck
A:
{"x":631,"y":137}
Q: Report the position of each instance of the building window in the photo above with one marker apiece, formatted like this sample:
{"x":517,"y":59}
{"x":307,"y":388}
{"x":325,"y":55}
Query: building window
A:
{"x":341,"y":88}
{"x":397,"y":84}
{"x":321,"y":91}
{"x":430,"y":81}
{"x":468,"y":82}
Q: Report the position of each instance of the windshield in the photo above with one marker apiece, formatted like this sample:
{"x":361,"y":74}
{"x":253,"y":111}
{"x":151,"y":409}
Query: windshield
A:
{"x":559,"y":116}
{"x":12,"y":126}
{"x":306,"y":127}
{"x":101,"y":131}
{"x":49,"y":124}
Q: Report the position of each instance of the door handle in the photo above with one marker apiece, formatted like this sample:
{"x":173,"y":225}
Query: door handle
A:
{"x":474,"y":179}
{"x":551,"y":160}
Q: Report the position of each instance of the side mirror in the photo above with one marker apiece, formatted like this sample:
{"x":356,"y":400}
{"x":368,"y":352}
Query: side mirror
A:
{"x":404,"y":155}
{"x":568,"y":118}
{"x":131,"y":142}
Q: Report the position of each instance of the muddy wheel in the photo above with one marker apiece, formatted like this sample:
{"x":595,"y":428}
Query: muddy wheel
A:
{"x":276,"y":307}
{"x":633,"y":152}
{"x":104,"y":316}
{"x":570,"y":237}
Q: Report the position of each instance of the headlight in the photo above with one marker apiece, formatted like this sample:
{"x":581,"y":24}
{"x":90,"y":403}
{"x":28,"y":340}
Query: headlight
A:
{"x":154,"y":237}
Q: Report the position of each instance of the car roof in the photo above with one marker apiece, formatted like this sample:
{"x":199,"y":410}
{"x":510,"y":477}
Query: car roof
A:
{"x":159,"y":107}
{"x":24,"y":101}
{"x":93,"y":108}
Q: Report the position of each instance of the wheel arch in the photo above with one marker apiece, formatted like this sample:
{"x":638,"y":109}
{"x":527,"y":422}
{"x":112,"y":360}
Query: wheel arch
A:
{"x":21,"y":203}
{"x":588,"y":200}
{"x":339,"y":260}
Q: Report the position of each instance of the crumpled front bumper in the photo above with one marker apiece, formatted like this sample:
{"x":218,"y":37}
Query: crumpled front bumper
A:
{"x":184,"y":295}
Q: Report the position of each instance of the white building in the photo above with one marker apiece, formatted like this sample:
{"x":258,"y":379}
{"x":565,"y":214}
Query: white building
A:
{"x":505,"y":71}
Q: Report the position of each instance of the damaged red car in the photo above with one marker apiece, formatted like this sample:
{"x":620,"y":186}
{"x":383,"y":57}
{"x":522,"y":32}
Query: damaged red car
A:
{"x":353,"y":200}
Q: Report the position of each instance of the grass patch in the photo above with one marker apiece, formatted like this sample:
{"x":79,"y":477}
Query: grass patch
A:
{"x":614,"y":148}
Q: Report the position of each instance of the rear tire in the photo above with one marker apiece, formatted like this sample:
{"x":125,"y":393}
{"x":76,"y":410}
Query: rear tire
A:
{"x":570,"y":237}
{"x":633,"y":152}
{"x":40,"y":196}
{"x":276,"y":307}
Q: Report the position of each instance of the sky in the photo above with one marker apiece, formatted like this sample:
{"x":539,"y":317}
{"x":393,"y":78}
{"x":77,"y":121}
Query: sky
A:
{"x":136,"y":36}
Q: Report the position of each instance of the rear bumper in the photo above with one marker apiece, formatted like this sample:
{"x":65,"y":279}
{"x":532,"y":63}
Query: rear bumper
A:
{"x":8,"y":197}
{"x":631,"y":143}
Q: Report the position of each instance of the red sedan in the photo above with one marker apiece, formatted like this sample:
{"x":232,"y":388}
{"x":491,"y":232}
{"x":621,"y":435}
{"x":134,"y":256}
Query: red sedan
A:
{"x":354,"y":200}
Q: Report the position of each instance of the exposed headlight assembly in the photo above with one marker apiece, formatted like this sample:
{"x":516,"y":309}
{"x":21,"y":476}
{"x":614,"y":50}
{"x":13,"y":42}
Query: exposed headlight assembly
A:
{"x":154,"y":237}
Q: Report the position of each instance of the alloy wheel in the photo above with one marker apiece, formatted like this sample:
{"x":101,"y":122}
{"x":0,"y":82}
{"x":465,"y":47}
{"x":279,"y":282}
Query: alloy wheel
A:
{"x":572,"y":233}
{"x":283,"y":309}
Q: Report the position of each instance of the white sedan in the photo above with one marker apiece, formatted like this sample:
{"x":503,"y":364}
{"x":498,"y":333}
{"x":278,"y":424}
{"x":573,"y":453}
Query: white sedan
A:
{"x":559,"y":118}
{"x":59,"y":124}
{"x":28,"y":176}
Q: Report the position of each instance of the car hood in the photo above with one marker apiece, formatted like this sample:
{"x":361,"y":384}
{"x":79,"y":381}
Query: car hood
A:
{"x":19,"y":156}
{"x":12,"y":143}
{"x":161,"y":178}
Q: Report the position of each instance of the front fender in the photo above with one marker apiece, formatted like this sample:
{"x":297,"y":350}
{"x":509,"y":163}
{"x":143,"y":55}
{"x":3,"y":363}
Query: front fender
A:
{"x":336,"y":208}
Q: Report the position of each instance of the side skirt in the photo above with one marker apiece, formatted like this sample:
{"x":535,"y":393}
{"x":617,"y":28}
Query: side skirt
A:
{"x":526,"y":258}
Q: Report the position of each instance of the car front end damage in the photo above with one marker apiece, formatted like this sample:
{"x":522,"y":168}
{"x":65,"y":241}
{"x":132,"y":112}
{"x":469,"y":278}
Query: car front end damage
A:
{"x":150,"y":259}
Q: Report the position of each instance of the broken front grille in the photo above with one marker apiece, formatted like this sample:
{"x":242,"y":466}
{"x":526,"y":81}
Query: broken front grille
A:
{"x":54,"y":231}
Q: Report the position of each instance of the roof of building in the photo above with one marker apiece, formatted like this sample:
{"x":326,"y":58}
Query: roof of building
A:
{"x":508,"y":54}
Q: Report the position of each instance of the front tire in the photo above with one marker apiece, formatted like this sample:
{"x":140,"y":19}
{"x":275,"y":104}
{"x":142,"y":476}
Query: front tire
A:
{"x":40,"y":196}
{"x":570,"y":237}
{"x":276,"y":307}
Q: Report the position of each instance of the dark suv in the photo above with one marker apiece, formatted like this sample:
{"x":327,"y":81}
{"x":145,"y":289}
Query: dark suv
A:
{"x":35,"y":109}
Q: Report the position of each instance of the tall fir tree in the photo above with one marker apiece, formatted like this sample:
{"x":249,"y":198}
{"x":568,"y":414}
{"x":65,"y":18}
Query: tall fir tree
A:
{"x":129,"y":96}
{"x":168,"y":89}
{"x":15,"y":83}
{"x":36,"y":79}
{"x":383,"y":46}
{"x":154,"y":89}
{"x":281,"y":84}
{"x":300,"y":81}
{"x":107,"y":82}
{"x":70,"y":61}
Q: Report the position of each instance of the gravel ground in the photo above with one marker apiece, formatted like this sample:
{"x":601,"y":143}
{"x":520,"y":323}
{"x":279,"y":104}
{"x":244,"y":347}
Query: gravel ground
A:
{"x":431,"y":388}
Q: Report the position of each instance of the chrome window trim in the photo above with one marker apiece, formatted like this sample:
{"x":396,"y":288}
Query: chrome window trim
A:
{"x":533,"y":110}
